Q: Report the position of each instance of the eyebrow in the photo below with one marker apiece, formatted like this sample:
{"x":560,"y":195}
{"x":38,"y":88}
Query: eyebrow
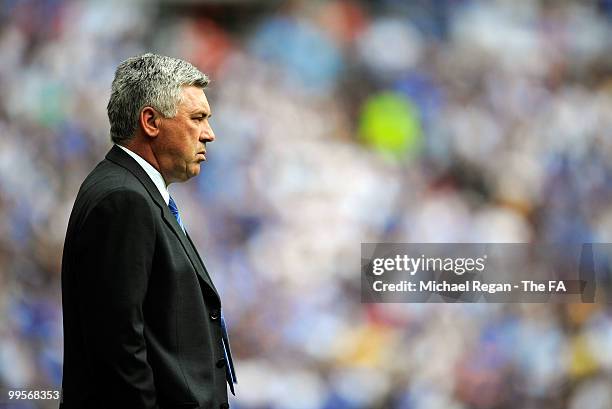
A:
{"x":203,"y":113}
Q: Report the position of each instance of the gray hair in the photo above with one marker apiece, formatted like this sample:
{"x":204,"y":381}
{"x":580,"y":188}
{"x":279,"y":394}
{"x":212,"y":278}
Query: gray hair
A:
{"x":148,"y":80}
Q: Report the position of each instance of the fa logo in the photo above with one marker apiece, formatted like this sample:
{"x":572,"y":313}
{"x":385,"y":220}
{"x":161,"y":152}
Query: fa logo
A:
{"x":556,"y":286}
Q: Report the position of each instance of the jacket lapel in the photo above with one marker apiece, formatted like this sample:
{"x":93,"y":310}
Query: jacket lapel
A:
{"x":197,"y":254}
{"x":118,"y":156}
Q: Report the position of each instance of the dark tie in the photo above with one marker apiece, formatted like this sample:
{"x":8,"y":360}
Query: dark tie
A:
{"x":230,"y":373}
{"x":227,"y":352}
{"x":174,"y":209}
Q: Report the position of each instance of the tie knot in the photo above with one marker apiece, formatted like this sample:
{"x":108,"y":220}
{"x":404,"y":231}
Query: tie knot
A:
{"x":173,"y":207}
{"x":175,"y":212}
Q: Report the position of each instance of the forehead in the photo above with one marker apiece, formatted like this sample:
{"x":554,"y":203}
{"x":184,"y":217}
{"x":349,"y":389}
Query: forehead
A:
{"x":194,"y":100}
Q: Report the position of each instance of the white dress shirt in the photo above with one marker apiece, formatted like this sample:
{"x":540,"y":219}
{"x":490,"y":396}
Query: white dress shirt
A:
{"x":153,"y":173}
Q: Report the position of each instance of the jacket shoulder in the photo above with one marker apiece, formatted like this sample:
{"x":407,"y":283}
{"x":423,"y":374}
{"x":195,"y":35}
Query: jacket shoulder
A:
{"x":108,"y":177}
{"x":106,"y":180}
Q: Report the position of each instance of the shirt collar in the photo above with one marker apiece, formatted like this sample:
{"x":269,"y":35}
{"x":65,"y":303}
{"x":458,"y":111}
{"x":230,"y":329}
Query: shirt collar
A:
{"x":153,"y":173}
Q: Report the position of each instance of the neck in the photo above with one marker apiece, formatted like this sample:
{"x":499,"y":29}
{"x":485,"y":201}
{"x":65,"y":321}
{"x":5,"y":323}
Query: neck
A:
{"x":144,"y":151}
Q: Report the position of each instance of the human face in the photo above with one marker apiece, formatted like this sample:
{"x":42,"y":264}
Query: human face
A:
{"x":181,"y":144}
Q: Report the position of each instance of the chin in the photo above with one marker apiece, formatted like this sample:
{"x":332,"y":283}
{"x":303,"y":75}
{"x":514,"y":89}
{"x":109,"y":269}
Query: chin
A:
{"x":195,"y":171}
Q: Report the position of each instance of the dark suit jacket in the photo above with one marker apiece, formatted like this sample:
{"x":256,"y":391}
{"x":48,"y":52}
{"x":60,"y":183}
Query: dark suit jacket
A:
{"x":141,"y":314}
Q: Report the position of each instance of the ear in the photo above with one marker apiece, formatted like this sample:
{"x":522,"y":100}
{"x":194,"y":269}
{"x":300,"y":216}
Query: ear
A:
{"x":150,"y":121}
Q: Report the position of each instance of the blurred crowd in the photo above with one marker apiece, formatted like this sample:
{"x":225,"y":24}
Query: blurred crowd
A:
{"x":338,"y":122}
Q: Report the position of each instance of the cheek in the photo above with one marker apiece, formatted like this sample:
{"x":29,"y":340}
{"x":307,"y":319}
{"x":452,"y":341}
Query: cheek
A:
{"x":193,"y":135}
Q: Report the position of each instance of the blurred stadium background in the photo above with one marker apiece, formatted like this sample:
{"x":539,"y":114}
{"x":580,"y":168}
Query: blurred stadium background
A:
{"x":338,"y":122}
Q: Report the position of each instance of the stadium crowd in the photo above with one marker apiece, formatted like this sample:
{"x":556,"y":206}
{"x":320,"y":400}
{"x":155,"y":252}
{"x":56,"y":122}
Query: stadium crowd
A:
{"x":338,"y":122}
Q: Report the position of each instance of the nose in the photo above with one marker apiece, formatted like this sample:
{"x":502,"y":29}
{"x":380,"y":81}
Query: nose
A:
{"x":207,"y":135}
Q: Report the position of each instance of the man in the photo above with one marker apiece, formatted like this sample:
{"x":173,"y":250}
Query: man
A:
{"x":142,"y":319}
